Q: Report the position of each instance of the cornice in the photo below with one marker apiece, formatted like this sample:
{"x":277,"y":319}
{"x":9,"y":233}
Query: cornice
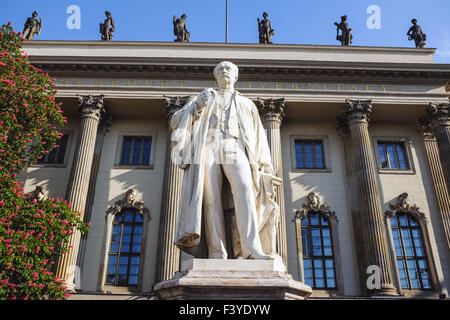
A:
{"x":321,"y":71}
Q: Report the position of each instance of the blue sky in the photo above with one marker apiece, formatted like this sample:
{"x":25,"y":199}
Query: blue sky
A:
{"x":294,"y":21}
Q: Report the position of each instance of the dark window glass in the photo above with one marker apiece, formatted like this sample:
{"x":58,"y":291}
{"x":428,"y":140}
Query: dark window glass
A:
{"x":318,"y":260}
{"x":392,"y":155}
{"x":411,"y":262}
{"x":309,"y":154}
{"x":136,"y":151}
{"x":56,"y":156}
{"x":125,"y":249}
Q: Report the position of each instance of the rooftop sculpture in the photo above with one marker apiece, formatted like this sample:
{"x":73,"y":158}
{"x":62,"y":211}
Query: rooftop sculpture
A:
{"x":108,"y":27}
{"x":180,"y":30}
{"x":265,"y":29}
{"x":415,"y":33}
{"x":32,"y":27}
{"x":346,"y":36}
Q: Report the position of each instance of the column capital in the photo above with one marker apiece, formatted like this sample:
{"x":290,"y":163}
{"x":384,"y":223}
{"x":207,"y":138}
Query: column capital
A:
{"x":91,"y":106}
{"x":424,"y":128}
{"x":271,"y":109}
{"x":438,"y":115}
{"x":357,"y":110}
{"x":173,"y":104}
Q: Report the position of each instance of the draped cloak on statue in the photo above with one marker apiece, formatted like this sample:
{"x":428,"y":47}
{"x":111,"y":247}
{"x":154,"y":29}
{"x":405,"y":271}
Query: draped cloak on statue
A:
{"x":190,"y":128}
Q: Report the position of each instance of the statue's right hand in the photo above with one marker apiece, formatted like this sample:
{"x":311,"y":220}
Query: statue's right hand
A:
{"x":203,"y":98}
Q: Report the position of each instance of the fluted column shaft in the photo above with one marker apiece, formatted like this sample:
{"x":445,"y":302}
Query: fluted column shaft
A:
{"x":91,"y":109}
{"x":442,"y":133}
{"x":168,"y":255}
{"x":370,"y":220}
{"x":272,"y":113}
{"x":438,"y":174}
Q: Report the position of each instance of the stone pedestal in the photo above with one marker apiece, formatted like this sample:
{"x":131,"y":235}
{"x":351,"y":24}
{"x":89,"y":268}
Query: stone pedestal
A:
{"x":216,"y":279}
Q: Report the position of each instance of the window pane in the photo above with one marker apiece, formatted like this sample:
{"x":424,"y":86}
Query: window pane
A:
{"x":129,"y":214}
{"x":126,"y":150}
{"x":309,"y":155}
{"x":392,"y":156}
{"x":115,"y":238}
{"x":413,"y":274}
{"x":319,"y":155}
{"x":382,"y":155}
{"x":137,"y":151}
{"x":402,"y":273}
{"x":314,"y":218}
{"x":147,"y":149}
{"x":407,"y":242}
{"x":133,"y":280}
{"x":316,"y":243}
{"x":401,"y":157}
{"x":307,"y":270}
{"x":305,"y":241}
{"x":397,"y":243}
{"x":299,"y":154}
{"x":138,"y":218}
{"x":403,"y":220}
{"x":323,"y":220}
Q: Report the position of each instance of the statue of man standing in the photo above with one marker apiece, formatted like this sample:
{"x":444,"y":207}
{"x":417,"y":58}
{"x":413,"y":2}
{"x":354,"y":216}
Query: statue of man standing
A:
{"x":265,"y":29}
{"x":415,"y":33}
{"x":180,"y":29}
{"x":346,"y":37}
{"x":32,"y":27}
{"x":219,"y":140}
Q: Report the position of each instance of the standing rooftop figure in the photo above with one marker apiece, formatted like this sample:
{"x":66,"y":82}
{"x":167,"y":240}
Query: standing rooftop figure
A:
{"x":180,"y":30}
{"x":108,"y":27}
{"x":32,"y":27}
{"x":265,"y":29}
{"x":415,"y":33}
{"x":346,"y":37}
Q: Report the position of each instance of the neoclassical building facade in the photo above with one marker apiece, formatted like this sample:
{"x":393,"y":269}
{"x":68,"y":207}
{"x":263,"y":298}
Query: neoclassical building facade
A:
{"x":360,"y":137}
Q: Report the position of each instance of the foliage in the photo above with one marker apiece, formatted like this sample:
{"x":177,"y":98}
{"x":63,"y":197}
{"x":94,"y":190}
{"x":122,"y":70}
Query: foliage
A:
{"x":32,"y":233}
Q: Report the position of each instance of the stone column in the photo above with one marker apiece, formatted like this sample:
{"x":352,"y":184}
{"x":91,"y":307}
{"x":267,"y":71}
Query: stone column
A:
{"x":437,"y":176}
{"x":371,"y":224}
{"x":272,"y":113}
{"x":104,"y":124}
{"x":168,"y":255}
{"x":438,"y":119}
{"x":91,"y":109}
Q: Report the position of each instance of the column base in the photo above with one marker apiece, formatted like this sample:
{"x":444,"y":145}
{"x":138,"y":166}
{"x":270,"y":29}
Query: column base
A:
{"x":216,"y":279}
{"x":386,"y":290}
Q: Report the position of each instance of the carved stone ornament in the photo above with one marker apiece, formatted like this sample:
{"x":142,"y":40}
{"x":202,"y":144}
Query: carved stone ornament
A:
{"x":129,"y":201}
{"x":314,"y":204}
{"x":40,"y":193}
{"x":403,"y":205}
{"x":173,"y":104}
{"x":271,"y":109}
{"x":91,"y":106}
{"x":357,"y":110}
{"x":437,"y":115}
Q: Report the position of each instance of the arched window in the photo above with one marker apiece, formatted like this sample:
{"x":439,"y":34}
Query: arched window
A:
{"x":410,"y":252}
{"x":410,"y":247}
{"x":122,"y":254}
{"x":317,"y":248}
{"x":315,"y":225}
{"x":125,"y":249}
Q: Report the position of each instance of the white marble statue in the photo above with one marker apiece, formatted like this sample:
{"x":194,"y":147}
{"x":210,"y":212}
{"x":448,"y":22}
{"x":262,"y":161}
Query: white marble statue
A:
{"x":219,"y":141}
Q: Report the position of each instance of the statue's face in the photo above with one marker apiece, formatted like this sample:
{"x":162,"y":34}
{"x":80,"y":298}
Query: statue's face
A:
{"x":226,"y":72}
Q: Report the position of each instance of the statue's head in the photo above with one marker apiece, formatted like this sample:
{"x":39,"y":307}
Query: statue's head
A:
{"x":313,"y":199}
{"x":183,"y":16}
{"x":35,"y":14}
{"x":265,"y":15}
{"x":131,"y":195}
{"x":414,"y":21}
{"x":226,"y":72}
{"x":108,"y":14}
{"x":344,"y":18}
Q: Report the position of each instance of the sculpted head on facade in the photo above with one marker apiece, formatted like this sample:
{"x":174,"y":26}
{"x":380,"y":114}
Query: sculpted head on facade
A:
{"x":226,"y":73}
